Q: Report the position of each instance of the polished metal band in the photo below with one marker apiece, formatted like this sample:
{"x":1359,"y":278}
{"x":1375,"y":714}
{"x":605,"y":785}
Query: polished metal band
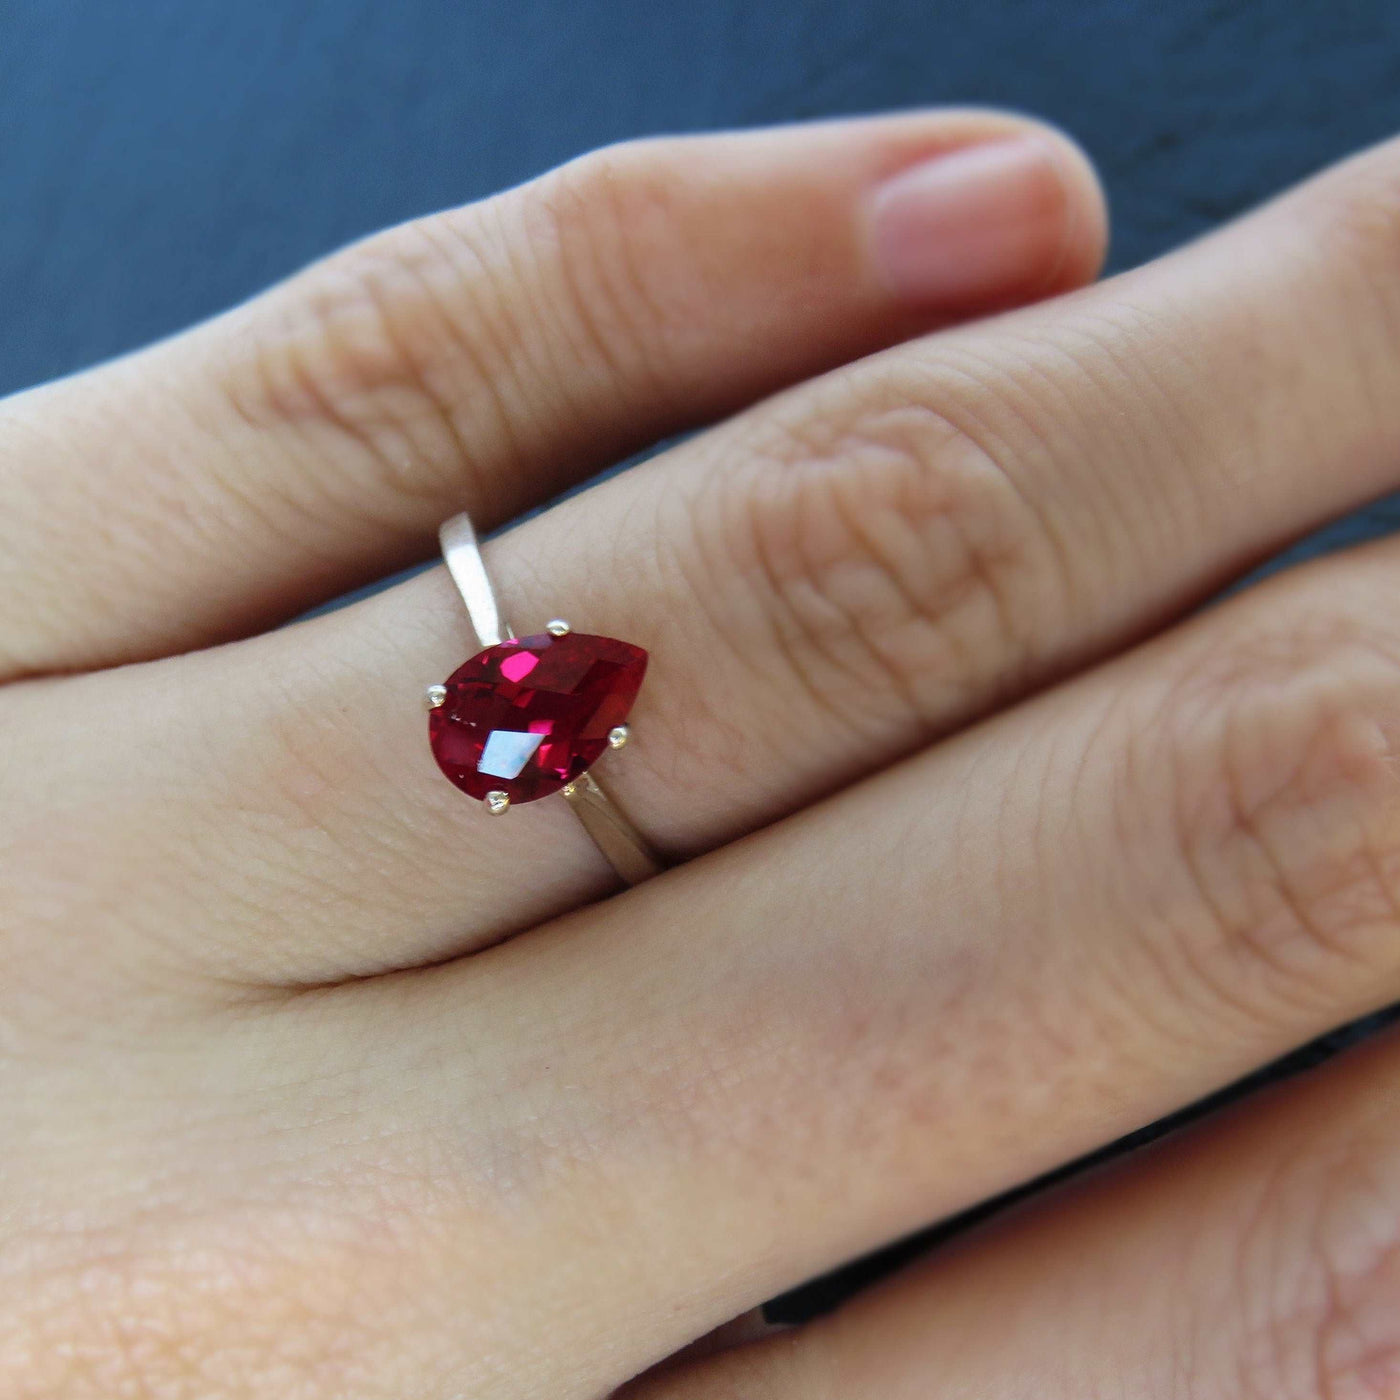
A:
{"x":620,"y":841}
{"x":624,"y":847}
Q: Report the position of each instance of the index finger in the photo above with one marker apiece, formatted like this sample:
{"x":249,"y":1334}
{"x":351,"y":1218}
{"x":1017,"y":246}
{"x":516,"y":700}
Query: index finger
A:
{"x":489,"y":356}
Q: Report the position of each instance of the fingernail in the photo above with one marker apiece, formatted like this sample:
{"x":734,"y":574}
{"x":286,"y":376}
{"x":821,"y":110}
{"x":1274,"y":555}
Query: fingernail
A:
{"x":972,"y":225}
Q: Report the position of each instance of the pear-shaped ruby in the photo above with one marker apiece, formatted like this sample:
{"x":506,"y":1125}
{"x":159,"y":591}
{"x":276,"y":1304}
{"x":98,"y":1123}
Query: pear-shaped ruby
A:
{"x":528,"y":716}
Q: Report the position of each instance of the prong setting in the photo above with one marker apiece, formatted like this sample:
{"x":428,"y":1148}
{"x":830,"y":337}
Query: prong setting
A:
{"x":497,"y":803}
{"x":618,"y":736}
{"x":557,"y":627}
{"x":435,"y":697}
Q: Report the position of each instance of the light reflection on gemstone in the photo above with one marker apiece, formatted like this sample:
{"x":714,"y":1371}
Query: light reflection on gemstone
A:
{"x":506,"y":753}
{"x":519,"y":665}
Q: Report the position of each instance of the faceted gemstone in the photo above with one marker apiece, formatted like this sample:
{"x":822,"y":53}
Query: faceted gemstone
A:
{"x":528,"y":716}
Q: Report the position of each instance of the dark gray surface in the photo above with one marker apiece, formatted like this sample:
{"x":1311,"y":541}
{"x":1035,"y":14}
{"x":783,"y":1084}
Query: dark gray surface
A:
{"x":160,"y":159}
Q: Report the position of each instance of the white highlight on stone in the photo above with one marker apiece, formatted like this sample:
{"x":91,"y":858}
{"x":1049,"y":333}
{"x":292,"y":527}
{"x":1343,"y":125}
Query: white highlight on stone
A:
{"x":506,"y":753}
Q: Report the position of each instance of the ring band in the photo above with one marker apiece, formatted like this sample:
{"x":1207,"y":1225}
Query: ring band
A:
{"x":620,"y":842}
{"x":528,"y":717}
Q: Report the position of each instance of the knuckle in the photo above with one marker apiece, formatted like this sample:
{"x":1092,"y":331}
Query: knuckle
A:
{"x":1281,"y":759}
{"x":616,"y":222}
{"x":1350,"y":223}
{"x":420,"y":342}
{"x":1318,"y":1277}
{"x":1355,"y":217}
{"x":384,"y":344}
{"x":895,"y":547}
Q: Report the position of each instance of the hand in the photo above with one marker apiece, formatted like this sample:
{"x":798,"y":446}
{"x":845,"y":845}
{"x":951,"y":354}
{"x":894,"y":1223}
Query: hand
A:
{"x":270,"y":1131}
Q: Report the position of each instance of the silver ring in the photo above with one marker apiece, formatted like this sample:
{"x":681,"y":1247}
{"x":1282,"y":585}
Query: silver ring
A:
{"x":527,"y":717}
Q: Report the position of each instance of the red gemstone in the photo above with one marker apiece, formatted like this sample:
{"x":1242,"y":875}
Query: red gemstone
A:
{"x":528,"y":716}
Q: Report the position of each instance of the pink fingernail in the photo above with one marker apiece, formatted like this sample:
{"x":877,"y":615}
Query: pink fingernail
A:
{"x":972,"y":225}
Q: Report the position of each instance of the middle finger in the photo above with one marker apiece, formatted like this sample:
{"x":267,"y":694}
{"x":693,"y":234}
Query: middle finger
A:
{"x":825,"y":583}
{"x":1039,"y":936}
{"x":1001,"y":953}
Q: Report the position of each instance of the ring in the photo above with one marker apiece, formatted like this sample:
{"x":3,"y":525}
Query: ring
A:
{"x":528,"y":717}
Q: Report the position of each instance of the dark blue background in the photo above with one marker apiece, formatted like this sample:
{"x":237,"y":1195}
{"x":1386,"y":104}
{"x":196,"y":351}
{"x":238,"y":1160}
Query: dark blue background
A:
{"x":160,"y":159}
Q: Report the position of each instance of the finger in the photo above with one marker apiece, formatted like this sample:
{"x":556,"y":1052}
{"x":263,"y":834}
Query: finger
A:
{"x":488,"y":356}
{"x":1258,"y":1254}
{"x":1028,"y":941}
{"x":823,"y":584}
{"x":933,"y":578}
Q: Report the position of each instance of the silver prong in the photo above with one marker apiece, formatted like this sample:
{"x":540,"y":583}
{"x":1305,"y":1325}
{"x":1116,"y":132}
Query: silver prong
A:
{"x":557,"y":627}
{"x":618,"y":735}
{"x":570,"y":788}
{"x":435,"y":696}
{"x":496,"y":803}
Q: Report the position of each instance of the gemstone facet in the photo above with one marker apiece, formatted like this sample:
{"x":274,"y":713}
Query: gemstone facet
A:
{"x":526,"y":717}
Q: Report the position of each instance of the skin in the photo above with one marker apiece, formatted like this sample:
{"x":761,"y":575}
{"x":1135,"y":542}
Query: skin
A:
{"x":316,"y":1082}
